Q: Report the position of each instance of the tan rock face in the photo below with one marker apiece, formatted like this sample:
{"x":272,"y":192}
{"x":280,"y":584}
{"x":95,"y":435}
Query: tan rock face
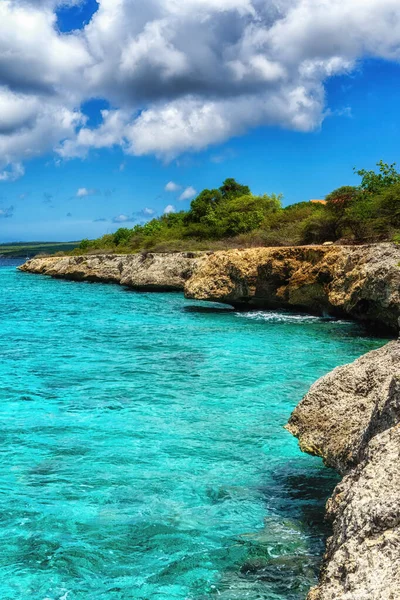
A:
{"x":351,"y":419}
{"x":140,"y":271}
{"x":362,"y":282}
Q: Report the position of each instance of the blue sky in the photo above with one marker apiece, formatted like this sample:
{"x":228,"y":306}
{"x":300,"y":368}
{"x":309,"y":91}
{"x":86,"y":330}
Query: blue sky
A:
{"x":83,"y":185}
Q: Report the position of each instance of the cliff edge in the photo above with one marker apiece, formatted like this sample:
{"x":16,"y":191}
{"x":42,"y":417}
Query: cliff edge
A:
{"x":351,"y":418}
{"x":362,"y":282}
{"x":146,"y":271}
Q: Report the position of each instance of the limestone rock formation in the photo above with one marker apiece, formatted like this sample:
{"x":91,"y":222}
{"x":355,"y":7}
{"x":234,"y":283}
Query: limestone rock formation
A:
{"x":362,"y":282}
{"x":351,"y":418}
{"x":145,"y":271}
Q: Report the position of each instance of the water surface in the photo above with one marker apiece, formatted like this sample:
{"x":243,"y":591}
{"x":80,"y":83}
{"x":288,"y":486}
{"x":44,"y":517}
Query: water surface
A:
{"x":142,"y":445}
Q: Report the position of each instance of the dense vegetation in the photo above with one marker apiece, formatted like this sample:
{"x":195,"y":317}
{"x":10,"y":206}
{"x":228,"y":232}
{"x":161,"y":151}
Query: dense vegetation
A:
{"x":231,"y":216}
{"x":31,"y":249}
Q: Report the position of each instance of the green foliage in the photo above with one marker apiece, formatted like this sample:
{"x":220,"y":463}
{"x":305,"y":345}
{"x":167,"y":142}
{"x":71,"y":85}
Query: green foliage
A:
{"x":231,"y":216}
{"x":84,"y":245}
{"x":339,"y":200}
{"x":373,"y":182}
{"x":203,"y":206}
{"x":319,"y":228}
{"x":231,"y":189}
{"x":121,"y":236}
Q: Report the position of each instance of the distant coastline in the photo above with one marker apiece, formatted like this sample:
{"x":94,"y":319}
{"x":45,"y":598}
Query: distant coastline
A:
{"x":31,"y":249}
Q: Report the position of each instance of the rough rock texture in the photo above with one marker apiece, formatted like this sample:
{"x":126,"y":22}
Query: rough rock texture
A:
{"x":359,"y":281}
{"x":351,"y":418}
{"x":148,"y":271}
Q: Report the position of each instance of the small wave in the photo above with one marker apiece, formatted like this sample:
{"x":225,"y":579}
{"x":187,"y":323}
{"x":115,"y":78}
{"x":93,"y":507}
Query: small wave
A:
{"x":281,"y":317}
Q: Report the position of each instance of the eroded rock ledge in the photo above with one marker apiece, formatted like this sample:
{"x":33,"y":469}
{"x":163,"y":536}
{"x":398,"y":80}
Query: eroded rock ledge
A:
{"x":351,"y":418}
{"x":362,"y":282}
{"x":145,"y":271}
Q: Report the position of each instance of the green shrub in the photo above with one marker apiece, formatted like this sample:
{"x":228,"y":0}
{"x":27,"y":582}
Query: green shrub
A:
{"x":231,"y":216}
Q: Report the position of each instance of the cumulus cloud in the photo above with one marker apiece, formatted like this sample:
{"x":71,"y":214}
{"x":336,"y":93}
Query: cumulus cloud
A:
{"x":172,"y":187}
{"x":169,"y":209}
{"x":188,"y":193}
{"x":82,"y":192}
{"x":179,"y":76}
{"x":12,"y":171}
{"x":122,"y":219}
{"x":148,"y":212}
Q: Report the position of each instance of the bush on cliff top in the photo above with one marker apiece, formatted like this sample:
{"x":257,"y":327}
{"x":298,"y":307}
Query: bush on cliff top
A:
{"x":231,"y":216}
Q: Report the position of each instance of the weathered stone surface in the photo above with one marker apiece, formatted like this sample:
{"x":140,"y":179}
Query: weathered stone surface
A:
{"x":344,"y":409}
{"x":145,"y":271}
{"x":351,"y":419}
{"x":362,"y":282}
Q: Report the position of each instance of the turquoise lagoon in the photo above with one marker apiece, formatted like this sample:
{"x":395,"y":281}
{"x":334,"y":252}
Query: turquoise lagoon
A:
{"x":142,"y":445}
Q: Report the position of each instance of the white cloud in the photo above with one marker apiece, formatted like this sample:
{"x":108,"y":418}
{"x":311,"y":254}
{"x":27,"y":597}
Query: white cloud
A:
{"x":188,"y":193}
{"x":82,"y":192}
{"x":180,"y":76}
{"x":122,"y":219}
{"x":12,"y":171}
{"x":172,"y":187}
{"x":169,"y":209}
{"x":148,"y":212}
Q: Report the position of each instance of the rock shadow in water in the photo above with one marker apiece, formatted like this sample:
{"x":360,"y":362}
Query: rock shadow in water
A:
{"x":283,"y":559}
{"x":208,"y":309}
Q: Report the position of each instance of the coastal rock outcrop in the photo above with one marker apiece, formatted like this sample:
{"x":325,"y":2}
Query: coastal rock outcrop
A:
{"x":351,"y":418}
{"x":146,"y":271}
{"x":362,"y":282}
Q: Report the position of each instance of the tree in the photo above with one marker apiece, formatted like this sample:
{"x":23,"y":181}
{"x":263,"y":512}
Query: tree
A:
{"x":202,"y":205}
{"x":231,"y":189}
{"x":340,"y":199}
{"x":373,"y":182}
{"x":84,"y":245}
{"x":387,"y":205}
{"x":338,"y":204}
{"x":121,"y":236}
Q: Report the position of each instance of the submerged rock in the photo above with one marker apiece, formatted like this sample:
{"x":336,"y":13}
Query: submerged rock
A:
{"x":362,"y":282}
{"x":146,"y":271}
{"x":351,"y":418}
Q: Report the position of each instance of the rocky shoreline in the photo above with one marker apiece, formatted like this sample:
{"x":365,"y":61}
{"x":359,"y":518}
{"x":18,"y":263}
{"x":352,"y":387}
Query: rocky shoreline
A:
{"x":359,"y":282}
{"x":146,"y":271}
{"x":350,"y":417}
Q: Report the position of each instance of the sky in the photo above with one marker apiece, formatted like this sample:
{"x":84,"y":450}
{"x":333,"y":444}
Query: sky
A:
{"x":117,"y":111}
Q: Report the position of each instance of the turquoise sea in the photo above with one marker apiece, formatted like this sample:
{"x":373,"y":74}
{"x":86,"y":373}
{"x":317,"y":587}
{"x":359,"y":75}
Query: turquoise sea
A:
{"x":143,"y":454}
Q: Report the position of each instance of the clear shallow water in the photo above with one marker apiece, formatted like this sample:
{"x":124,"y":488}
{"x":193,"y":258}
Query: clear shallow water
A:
{"x":142,"y":445}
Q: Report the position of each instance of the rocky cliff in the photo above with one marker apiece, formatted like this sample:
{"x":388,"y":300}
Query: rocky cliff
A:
{"x":351,"y":418}
{"x":145,"y":271}
{"x":362,"y":282}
